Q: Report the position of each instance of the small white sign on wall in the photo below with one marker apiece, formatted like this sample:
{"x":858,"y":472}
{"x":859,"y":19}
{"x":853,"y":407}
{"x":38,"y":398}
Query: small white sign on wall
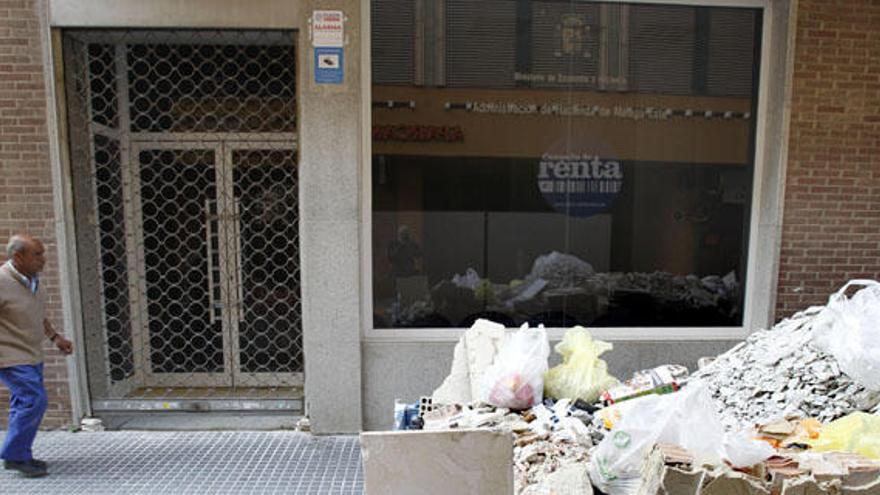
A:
{"x":327,"y":28}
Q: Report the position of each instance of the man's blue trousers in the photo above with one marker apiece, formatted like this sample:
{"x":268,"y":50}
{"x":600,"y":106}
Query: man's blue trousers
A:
{"x":26,"y":407}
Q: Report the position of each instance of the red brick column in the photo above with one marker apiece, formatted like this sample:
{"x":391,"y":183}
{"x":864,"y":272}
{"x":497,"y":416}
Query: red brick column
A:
{"x":25,"y":174}
{"x":831,"y":222}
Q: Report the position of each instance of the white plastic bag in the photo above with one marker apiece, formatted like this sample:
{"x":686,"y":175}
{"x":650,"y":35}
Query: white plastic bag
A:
{"x":743,"y":450}
{"x":516,"y":378}
{"x":470,"y":279}
{"x":849,"y":330}
{"x":686,"y":418}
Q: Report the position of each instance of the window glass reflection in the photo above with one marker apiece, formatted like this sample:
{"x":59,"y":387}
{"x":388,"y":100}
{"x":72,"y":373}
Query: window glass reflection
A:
{"x":561,"y":162}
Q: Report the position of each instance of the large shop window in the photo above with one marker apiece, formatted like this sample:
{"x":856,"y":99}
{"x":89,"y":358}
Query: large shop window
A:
{"x":561,"y":162}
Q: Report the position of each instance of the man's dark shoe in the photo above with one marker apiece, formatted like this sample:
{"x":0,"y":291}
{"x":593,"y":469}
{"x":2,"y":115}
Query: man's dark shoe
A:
{"x":38,"y":462}
{"x":29,"y":469}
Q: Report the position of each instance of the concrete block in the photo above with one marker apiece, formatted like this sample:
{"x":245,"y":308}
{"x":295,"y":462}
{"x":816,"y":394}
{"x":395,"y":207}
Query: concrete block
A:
{"x":478,"y":462}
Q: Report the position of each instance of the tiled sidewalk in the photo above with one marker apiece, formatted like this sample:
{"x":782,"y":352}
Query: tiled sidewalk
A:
{"x":202,"y":462}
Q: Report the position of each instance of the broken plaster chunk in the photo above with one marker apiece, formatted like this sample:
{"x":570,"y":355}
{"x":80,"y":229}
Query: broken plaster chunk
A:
{"x":474,"y":352}
{"x":658,"y":477}
{"x":724,"y":481}
{"x":456,"y":388}
{"x":528,"y":439}
{"x":870,"y":488}
{"x":808,"y":485}
{"x":569,"y":479}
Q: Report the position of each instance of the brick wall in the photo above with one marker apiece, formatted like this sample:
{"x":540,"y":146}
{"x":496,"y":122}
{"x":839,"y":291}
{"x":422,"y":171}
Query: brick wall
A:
{"x":25,"y":174}
{"x":831,"y":224}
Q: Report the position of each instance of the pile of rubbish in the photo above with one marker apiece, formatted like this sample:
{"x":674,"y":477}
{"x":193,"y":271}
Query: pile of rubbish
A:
{"x":549,"y":438}
{"x":671,"y":470}
{"x":556,"y":277}
{"x":781,"y":373}
{"x":790,"y":410}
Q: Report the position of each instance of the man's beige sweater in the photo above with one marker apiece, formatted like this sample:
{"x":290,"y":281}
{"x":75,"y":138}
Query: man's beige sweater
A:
{"x":21,"y":322}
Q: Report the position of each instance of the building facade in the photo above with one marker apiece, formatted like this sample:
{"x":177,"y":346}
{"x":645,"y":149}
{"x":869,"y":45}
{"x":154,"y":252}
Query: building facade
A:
{"x":298,"y":206}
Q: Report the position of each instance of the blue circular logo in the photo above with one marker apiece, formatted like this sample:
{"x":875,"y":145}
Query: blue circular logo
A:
{"x":579,"y":183}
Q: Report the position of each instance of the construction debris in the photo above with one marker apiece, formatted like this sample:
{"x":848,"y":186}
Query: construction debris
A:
{"x":561,"y":270}
{"x":776,"y":396}
{"x":670,"y":470}
{"x":663,"y":379}
{"x":473,"y":354}
{"x":561,"y":282}
{"x":91,"y":424}
{"x":303,"y":424}
{"x":780,"y":373}
{"x":548,"y":438}
{"x":570,"y":478}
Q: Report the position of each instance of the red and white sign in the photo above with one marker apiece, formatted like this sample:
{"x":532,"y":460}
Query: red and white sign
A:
{"x":327,"y":28}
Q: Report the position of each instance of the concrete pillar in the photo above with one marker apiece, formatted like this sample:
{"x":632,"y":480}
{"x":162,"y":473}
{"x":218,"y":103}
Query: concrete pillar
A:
{"x":330,"y":128}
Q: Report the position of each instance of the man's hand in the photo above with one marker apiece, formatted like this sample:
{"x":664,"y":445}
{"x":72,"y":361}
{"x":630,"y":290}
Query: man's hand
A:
{"x":63,"y":344}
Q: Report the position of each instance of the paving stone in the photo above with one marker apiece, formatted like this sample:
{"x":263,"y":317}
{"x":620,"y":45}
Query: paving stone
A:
{"x":207,"y":462}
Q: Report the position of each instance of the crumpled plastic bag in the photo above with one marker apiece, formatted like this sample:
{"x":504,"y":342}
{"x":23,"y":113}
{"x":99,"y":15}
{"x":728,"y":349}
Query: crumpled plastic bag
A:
{"x":858,"y":432}
{"x":470,"y":279}
{"x":516,"y":378}
{"x":686,"y":418}
{"x":848,"y":329}
{"x":744,"y":449}
{"x":582,"y":374}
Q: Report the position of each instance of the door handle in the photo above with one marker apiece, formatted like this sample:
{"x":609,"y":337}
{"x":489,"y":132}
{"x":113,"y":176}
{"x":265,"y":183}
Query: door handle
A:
{"x":214,"y":276}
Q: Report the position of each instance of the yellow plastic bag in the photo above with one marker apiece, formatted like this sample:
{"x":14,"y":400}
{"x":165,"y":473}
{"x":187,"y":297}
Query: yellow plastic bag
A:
{"x":582,"y":375}
{"x":857,"y":432}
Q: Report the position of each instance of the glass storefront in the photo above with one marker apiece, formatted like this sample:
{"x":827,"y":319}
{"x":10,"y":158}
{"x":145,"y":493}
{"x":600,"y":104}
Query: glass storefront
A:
{"x":561,"y":162}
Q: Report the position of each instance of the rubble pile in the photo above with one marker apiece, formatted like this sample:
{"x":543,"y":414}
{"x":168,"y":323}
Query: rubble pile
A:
{"x":548,"y":441}
{"x":537,"y":458}
{"x":775,"y":414}
{"x":561,"y":270}
{"x":671,"y":470}
{"x":557,"y":278}
{"x":780,"y":373}
{"x":690,"y":290}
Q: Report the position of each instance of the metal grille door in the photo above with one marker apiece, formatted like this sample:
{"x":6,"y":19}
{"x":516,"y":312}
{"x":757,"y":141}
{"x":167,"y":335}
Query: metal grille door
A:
{"x":182,"y":337}
{"x":183,"y":150}
{"x":266,"y":297}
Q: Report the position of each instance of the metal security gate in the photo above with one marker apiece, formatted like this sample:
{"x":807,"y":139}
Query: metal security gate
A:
{"x":183,"y":150}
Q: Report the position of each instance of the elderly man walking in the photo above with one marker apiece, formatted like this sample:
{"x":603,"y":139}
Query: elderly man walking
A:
{"x":22,"y":327}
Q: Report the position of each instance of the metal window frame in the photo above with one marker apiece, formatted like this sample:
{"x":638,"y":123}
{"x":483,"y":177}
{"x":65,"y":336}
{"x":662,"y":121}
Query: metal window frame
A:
{"x":758,"y":291}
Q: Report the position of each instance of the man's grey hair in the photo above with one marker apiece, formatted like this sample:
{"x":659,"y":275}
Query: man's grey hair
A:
{"x":16,"y":244}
